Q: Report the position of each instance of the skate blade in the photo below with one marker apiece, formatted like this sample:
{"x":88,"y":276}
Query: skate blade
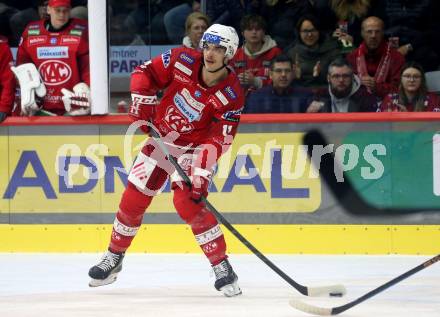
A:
{"x":231,"y":290}
{"x":95,"y":283}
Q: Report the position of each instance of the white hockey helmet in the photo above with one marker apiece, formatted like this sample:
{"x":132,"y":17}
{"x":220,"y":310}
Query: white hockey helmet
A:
{"x":222,"y":35}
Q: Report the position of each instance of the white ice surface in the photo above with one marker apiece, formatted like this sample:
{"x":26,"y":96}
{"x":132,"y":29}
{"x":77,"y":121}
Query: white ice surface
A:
{"x":181,"y":285}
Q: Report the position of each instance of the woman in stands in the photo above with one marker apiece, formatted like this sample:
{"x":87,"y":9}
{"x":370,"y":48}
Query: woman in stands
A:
{"x":312,"y":53}
{"x":195,"y":25}
{"x":413,"y":94}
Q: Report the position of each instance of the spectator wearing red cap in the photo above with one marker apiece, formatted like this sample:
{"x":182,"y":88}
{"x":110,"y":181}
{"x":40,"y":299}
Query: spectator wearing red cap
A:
{"x":56,"y":51}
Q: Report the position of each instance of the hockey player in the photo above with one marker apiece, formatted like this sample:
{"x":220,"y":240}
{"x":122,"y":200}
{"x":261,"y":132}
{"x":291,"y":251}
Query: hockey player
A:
{"x":58,"y":48}
{"x":201,"y":109}
{"x":7,"y":80}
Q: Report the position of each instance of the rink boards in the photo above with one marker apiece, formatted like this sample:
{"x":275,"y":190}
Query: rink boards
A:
{"x":61,"y":185}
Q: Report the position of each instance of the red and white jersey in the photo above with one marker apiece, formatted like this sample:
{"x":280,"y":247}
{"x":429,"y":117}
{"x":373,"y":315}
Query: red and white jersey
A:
{"x":258,"y":65}
{"x":62,"y":58}
{"x":200,"y":114}
{"x":7,"y":79}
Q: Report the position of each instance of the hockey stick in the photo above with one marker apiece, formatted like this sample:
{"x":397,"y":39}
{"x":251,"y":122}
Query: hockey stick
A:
{"x":311,"y":309}
{"x":331,"y":290}
{"x":344,"y":192}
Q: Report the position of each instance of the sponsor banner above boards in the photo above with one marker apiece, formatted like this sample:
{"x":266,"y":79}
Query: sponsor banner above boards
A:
{"x":262,"y":172}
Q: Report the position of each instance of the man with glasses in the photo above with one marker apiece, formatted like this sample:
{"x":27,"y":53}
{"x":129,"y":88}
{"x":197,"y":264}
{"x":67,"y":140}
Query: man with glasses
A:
{"x":280,"y":96}
{"x":345,"y":92}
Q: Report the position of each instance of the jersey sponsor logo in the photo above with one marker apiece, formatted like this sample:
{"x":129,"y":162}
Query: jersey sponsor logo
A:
{"x":79,"y":27}
{"x":34,"y":26}
{"x":231,"y":93}
{"x":221,"y":97}
{"x":181,"y":78}
{"x":35,"y":40}
{"x":53,"y":40}
{"x":197,"y":94}
{"x":214,"y":102}
{"x":69,"y":39}
{"x":175,"y":121}
{"x":186,"y":58}
{"x":183,"y":68}
{"x":52,"y":52}
{"x":34,"y":32}
{"x":166,"y":58}
{"x":266,"y":63}
{"x":55,"y":72}
{"x":233,"y":115}
{"x":75,"y":32}
{"x":187,"y":111}
{"x":192,"y":102}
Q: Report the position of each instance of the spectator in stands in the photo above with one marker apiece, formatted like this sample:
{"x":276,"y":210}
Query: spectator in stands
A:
{"x":312,"y":53}
{"x":349,"y":16}
{"x":7,"y":80}
{"x":415,"y":26}
{"x":343,"y":18}
{"x":227,"y":12}
{"x":345,"y":93}
{"x":253,"y":58}
{"x":282,"y":17}
{"x":375,"y":61}
{"x":175,"y":20}
{"x":58,"y":47}
{"x":413,"y":94}
{"x":280,"y":96}
{"x":195,"y":25}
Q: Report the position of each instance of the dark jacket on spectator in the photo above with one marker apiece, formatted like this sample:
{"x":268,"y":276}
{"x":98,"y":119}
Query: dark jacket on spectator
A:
{"x":327,"y":51}
{"x":414,"y":22}
{"x":359,"y":100}
{"x":282,"y":17}
{"x":266,"y":100}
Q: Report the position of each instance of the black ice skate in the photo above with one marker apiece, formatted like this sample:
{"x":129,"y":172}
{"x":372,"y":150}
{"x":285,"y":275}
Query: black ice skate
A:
{"x":106,"y":271}
{"x":226,"y":279}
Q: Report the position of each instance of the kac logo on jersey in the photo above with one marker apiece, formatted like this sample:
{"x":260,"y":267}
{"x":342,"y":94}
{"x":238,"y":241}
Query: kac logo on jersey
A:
{"x":166,"y":58}
{"x":55,"y":72}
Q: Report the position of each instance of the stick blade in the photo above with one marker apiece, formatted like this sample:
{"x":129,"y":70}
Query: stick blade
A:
{"x":331,"y":290}
{"x":310,"y":309}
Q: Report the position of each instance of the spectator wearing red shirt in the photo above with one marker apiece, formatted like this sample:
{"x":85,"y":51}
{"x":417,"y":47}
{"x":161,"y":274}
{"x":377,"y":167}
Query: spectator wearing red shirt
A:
{"x":375,"y":61}
{"x":413,"y":94}
{"x":252,"y":61}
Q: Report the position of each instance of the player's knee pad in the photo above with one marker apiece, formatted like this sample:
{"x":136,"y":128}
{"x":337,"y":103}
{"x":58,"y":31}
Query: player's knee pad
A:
{"x":186,"y":208}
{"x":146,"y":174}
{"x":133,"y":205}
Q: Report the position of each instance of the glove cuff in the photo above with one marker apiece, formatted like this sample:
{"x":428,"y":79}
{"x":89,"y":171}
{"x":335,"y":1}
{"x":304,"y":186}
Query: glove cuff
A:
{"x":202,"y":173}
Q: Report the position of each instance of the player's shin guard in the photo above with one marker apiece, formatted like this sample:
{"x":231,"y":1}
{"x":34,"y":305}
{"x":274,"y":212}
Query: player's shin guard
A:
{"x":129,"y":218}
